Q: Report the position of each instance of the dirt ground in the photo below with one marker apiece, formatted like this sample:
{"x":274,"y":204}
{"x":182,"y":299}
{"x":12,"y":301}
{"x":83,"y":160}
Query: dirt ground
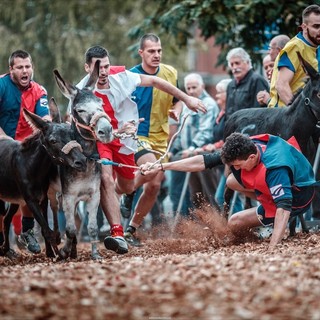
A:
{"x":194,"y":273}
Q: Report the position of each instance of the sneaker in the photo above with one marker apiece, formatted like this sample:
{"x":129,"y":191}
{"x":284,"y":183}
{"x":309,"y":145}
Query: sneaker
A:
{"x":132,"y":240}
{"x":116,"y":244}
{"x":126,"y":205}
{"x":29,"y":241}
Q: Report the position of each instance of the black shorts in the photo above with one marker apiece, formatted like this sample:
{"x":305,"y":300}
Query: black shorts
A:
{"x":301,"y":202}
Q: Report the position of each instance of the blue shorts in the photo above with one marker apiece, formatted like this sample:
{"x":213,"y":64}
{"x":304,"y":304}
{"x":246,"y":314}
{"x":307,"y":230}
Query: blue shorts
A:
{"x":301,"y":202}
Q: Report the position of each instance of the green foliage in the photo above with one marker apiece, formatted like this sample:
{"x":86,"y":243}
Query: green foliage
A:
{"x":235,"y":23}
{"x":57,"y":34}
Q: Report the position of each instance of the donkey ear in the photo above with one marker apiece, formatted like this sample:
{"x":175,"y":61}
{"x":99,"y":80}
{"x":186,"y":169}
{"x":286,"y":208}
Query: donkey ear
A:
{"x":67,"y":89}
{"x":307,"y":67}
{"x":35,"y":121}
{"x":94,"y":75}
{"x":54,"y":111}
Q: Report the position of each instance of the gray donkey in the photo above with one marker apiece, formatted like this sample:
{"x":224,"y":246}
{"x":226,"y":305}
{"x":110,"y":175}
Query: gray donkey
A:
{"x":89,"y":123}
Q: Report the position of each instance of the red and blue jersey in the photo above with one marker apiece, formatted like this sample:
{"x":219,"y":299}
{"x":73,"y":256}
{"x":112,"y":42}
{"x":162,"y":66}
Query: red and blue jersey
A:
{"x":282,"y":168}
{"x":12,"y":100}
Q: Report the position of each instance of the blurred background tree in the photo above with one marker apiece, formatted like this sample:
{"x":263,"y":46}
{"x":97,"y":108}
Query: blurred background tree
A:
{"x":57,"y":32}
{"x":233,"y":23}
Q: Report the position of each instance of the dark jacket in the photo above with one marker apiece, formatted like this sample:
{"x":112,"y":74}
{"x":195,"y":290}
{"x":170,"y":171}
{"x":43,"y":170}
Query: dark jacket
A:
{"x":244,"y":94}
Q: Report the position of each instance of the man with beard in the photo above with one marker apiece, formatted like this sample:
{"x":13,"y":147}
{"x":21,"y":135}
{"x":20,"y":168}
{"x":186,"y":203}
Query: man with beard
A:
{"x":243,"y":89}
{"x":17,"y":91}
{"x":288,"y":74}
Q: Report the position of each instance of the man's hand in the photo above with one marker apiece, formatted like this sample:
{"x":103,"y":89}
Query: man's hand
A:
{"x":263,"y":97}
{"x":150,"y":168}
{"x":174,"y":114}
{"x":195,"y":104}
{"x":129,"y":128}
{"x":280,"y":223}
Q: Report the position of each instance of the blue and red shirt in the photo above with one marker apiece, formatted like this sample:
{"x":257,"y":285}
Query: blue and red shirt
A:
{"x":282,"y":168}
{"x":12,"y":100}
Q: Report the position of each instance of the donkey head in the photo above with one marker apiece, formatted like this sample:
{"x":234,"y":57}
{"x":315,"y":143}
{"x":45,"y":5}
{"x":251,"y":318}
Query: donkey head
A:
{"x":58,"y":141}
{"x":312,"y":88}
{"x":86,"y":108}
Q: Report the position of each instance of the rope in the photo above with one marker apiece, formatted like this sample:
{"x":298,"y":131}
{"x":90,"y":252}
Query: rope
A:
{"x":112,"y":163}
{"x":184,"y":118}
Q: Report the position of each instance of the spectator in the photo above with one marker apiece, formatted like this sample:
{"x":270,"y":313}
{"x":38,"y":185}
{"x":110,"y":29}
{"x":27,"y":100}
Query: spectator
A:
{"x":277,"y":43}
{"x":217,"y":143}
{"x":264,"y":96}
{"x":289,"y":77}
{"x":17,"y":91}
{"x":197,"y":131}
{"x":243,"y":89}
{"x":288,"y":74}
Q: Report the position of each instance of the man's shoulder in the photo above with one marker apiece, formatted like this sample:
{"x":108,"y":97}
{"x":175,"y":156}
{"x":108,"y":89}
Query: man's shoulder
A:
{"x":168,"y":68}
{"x":297,"y":43}
{"x":4,"y":78}
{"x":37,"y":86}
{"x":137,"y":69}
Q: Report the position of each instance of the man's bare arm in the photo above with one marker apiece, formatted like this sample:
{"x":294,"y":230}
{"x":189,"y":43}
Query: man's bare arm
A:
{"x":192,"y":164}
{"x":282,"y":85}
{"x":280,"y":224}
{"x":192,"y":103}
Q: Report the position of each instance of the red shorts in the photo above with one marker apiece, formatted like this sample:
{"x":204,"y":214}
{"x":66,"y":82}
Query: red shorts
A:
{"x":111,"y":151}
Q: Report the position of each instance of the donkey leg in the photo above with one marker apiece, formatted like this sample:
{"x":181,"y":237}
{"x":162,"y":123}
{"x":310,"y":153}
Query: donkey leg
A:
{"x":47,"y":233}
{"x":92,"y":208}
{"x":70,"y":245}
{"x":49,"y":251}
{"x":304,"y":226}
{"x":54,"y":205}
{"x":292,"y":226}
{"x":5,"y":249}
{"x":74,"y":251}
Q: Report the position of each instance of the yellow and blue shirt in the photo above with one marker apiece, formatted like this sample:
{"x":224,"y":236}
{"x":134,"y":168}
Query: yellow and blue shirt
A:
{"x":288,"y":58}
{"x":154,"y":104}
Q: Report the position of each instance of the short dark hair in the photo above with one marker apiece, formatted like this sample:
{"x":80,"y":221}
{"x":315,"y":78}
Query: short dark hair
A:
{"x":237,"y":147}
{"x":148,"y":36}
{"x":19,"y":54}
{"x":96,"y":52}
{"x":314,"y":8}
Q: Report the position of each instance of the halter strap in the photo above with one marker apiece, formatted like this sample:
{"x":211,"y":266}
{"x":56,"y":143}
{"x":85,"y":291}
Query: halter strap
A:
{"x":91,"y":126}
{"x":311,"y":105}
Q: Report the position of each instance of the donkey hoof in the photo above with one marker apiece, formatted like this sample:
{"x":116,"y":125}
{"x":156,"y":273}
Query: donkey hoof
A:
{"x":63,"y":254}
{"x":58,"y":238}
